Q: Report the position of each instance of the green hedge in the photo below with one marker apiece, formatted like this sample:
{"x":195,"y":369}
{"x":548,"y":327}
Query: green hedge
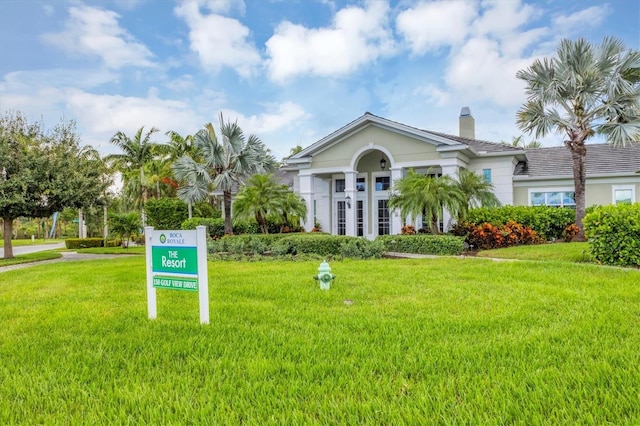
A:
{"x":423,"y":244}
{"x":77,"y":243}
{"x":613,"y":233}
{"x":241,"y":244}
{"x":548,"y":222}
{"x":320,"y":244}
{"x":166,"y":213}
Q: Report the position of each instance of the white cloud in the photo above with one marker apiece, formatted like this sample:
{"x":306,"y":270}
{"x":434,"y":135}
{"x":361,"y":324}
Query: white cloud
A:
{"x":503,"y":18}
{"x":96,"y":32}
{"x":277,"y":117}
{"x":48,"y":9}
{"x":219,"y":41}
{"x":224,"y":6}
{"x":356,"y":37}
{"x":432,"y":25}
{"x":280,"y":126}
{"x":590,"y":17}
{"x":479,"y":71}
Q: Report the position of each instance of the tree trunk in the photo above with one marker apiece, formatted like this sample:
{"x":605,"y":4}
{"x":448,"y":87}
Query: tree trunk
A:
{"x":579,"y":159}
{"x":80,"y":224}
{"x":105,"y":223}
{"x":228,"y":228}
{"x":190,"y":210}
{"x":8,"y":248}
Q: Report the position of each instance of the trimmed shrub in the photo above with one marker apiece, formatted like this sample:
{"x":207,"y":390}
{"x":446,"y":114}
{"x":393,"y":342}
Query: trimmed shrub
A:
{"x":423,"y":244}
{"x":166,"y":213}
{"x":77,"y":243}
{"x":361,"y":248}
{"x":244,"y":244}
{"x":213,"y":225}
{"x":548,"y":222}
{"x":613,"y":233}
{"x":320,"y":244}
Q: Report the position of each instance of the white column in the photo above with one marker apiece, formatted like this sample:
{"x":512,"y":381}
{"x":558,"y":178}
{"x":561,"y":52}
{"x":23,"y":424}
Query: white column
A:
{"x":350,"y":191}
{"x":395,"y":219}
{"x":451,"y":171}
{"x":306,"y":192}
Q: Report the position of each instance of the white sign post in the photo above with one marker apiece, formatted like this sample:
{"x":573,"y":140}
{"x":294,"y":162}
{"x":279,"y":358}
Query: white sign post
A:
{"x":177,"y":260}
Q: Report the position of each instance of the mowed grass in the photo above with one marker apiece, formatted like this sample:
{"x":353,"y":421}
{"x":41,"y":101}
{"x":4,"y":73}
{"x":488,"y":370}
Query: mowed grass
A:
{"x":31,"y":257}
{"x":559,"y":251}
{"x":419,"y":341}
{"x":36,"y":242}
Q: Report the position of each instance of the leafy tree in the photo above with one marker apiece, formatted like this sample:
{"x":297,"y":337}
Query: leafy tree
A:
{"x":262,"y":198}
{"x":125,"y":225}
{"x":585,"y":90}
{"x":476,"y":192}
{"x":423,"y":195}
{"x":136,"y":153}
{"x":224,"y":163}
{"x":44,"y":172}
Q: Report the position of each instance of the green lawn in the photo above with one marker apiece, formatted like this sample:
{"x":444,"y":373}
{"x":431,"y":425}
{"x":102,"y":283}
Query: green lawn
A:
{"x":30,"y":257}
{"x":28,"y":242}
{"x":417,"y":341}
{"x":565,"y":252}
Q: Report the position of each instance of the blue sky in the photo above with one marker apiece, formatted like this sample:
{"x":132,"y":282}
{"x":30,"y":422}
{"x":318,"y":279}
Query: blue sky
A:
{"x":289,"y":71}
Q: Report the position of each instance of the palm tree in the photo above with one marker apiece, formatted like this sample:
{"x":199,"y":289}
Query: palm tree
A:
{"x":293,"y":206}
{"x":518,"y":141}
{"x":476,"y":192}
{"x":225,"y":163}
{"x":423,"y":195}
{"x":262,"y":198}
{"x":135,"y":154}
{"x":179,"y":145}
{"x":259,"y":198}
{"x":586,"y":90}
{"x":124,"y":225}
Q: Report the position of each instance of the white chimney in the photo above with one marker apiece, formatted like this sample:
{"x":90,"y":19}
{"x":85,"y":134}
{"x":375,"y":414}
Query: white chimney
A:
{"x":467,"y":124}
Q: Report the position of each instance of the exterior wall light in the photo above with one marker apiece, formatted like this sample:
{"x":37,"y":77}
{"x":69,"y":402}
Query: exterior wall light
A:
{"x":348,"y":200}
{"x":383,"y":163}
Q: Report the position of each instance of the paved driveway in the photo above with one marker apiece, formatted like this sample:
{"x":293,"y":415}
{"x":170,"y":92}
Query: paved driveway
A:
{"x":33,"y":249}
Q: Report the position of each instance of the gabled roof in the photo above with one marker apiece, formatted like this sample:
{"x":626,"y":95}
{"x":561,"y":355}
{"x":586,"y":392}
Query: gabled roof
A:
{"x":602,"y":159}
{"x":442,"y":141}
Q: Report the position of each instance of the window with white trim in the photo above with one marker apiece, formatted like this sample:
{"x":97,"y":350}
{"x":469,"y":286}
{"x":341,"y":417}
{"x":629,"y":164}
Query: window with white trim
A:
{"x":624,"y":194}
{"x":553,"y":198}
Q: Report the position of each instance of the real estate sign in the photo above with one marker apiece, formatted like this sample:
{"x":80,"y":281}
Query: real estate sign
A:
{"x":177,"y":260}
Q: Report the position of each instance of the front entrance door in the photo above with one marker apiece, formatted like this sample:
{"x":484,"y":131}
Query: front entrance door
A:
{"x":382,"y":217}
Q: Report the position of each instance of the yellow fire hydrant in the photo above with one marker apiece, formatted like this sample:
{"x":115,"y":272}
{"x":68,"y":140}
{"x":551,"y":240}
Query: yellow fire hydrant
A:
{"x":324,"y":276}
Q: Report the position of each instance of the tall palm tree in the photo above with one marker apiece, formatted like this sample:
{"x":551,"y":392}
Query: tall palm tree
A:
{"x":586,"y":90}
{"x":224,"y":162}
{"x":136,"y":152}
{"x":476,"y":192}
{"x":423,"y":195}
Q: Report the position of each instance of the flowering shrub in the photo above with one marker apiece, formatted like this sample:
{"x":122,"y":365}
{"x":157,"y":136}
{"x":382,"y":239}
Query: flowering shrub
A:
{"x":570,"y":232}
{"x":408,"y":230}
{"x":487,"y":236}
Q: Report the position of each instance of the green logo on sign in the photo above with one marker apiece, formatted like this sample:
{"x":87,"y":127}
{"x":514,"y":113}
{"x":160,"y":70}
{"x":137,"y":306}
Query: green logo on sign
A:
{"x":163,"y":238}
